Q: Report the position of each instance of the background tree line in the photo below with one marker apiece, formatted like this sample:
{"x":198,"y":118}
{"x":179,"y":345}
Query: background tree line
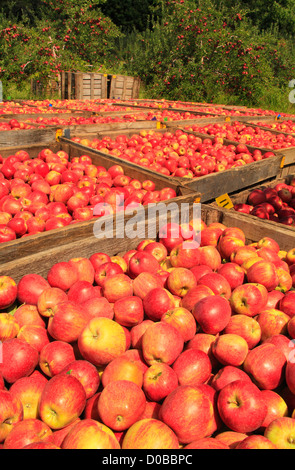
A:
{"x":238,"y":52}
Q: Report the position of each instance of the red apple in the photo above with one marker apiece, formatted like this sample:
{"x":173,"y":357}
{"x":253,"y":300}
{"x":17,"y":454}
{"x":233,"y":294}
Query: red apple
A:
{"x":121,"y":404}
{"x":263,"y":272}
{"x":90,"y":434}
{"x":246,"y":327}
{"x":157,"y":302}
{"x":241,"y":406}
{"x":185,"y":255}
{"x":158,"y":381}
{"x":145,"y":282}
{"x":55,"y":356}
{"x":193,"y":367}
{"x":27,"y":432}
{"x":101,"y":340}
{"x":128,"y":311}
{"x":19,"y":359}
{"x":30,"y":287}
{"x":281,"y":432}
{"x":183,"y":320}
{"x":66,"y":410}
{"x":249,"y":299}
{"x":272,"y":322}
{"x":116,"y":287}
{"x":122,"y":368}
{"x":11,"y":413}
{"x":161,"y":342}
{"x":233,"y":273}
{"x":150,"y":433}
{"x":188,"y":411}
{"x":193,"y":295}
{"x":36,"y":335}
{"x":27,"y":314}
{"x":142,"y":261}
{"x":137,"y":332}
{"x":87,"y":373}
{"x":226,"y":375}
{"x":266,"y":363}
{"x":67,"y":321}
{"x":212,"y":313}
{"x":180,"y":280}
{"x":230,"y":349}
{"x":98,"y":307}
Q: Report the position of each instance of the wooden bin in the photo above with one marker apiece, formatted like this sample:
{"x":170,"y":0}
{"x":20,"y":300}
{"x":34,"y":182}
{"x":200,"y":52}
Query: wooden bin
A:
{"x":124,"y":87}
{"x":13,"y":253}
{"x":53,"y":251}
{"x":82,"y":86}
{"x":228,"y":181}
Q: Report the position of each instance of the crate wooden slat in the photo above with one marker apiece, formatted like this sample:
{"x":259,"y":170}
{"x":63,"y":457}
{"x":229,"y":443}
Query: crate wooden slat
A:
{"x":40,"y":262}
{"x":27,"y":136}
{"x":124,"y":87}
{"x":228,"y":181}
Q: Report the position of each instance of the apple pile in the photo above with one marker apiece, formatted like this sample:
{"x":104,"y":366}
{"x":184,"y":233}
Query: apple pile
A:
{"x":174,"y":344}
{"x":272,"y":203}
{"x":177,"y":154}
{"x":241,"y":132}
{"x":287,"y":126}
{"x":14,"y":124}
{"x":52,"y":191}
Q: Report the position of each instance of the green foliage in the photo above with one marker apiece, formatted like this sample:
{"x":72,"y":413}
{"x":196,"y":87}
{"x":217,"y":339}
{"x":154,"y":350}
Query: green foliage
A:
{"x":227,"y":51}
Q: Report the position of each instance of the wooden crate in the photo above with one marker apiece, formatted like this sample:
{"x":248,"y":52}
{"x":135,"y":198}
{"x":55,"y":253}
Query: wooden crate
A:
{"x":228,"y":181}
{"x":124,"y":87}
{"x":12,"y":253}
{"x":81,"y":86}
{"x":52,"y":252}
{"x":27,"y":137}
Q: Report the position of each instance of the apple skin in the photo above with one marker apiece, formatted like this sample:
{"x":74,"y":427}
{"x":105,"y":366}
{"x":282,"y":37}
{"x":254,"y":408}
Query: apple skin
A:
{"x":36,"y":335}
{"x":210,"y":256}
{"x":128,"y":311}
{"x":157,"y":302}
{"x":121,"y":404}
{"x":217,"y":283}
{"x":122,"y":368}
{"x":287,"y":302}
{"x":233,"y":273}
{"x":263,"y":272}
{"x":116,"y":287}
{"x":30,"y":287}
{"x":98,"y":307}
{"x":161,"y":342}
{"x":283,"y":343}
{"x":266,"y":364}
{"x":249,"y":299}
{"x":55,"y":356}
{"x":231,"y":438}
{"x":87,"y":373}
{"x":281,"y":432}
{"x":27,"y":314}
{"x":144,"y":283}
{"x":19,"y":359}
{"x":9,"y":328}
{"x":272,"y":322}
{"x":194,"y":294}
{"x":137,"y":332}
{"x":206,"y":443}
{"x":245,"y":326}
{"x":276,"y":407}
{"x":84,"y":268}
{"x":8,"y":291}
{"x":158,"y":381}
{"x":64,"y":394}
{"x":26,"y":432}
{"x":90,"y":434}
{"x":150,"y":433}
{"x":62,"y":275}
{"x":183,"y":320}
{"x":67,"y":321}
{"x":180,"y":280}
{"x":49,"y":299}
{"x":28,"y":390}
{"x":185,"y":255}
{"x":101,"y":341}
{"x":188,"y":412}
{"x":193,"y":367}
{"x":241,"y":406}
{"x":226,"y":375}
{"x":11,"y":412}
{"x":230,"y":349}
{"x":142,"y":261}
{"x":256,"y":442}
{"x":212,"y":313}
